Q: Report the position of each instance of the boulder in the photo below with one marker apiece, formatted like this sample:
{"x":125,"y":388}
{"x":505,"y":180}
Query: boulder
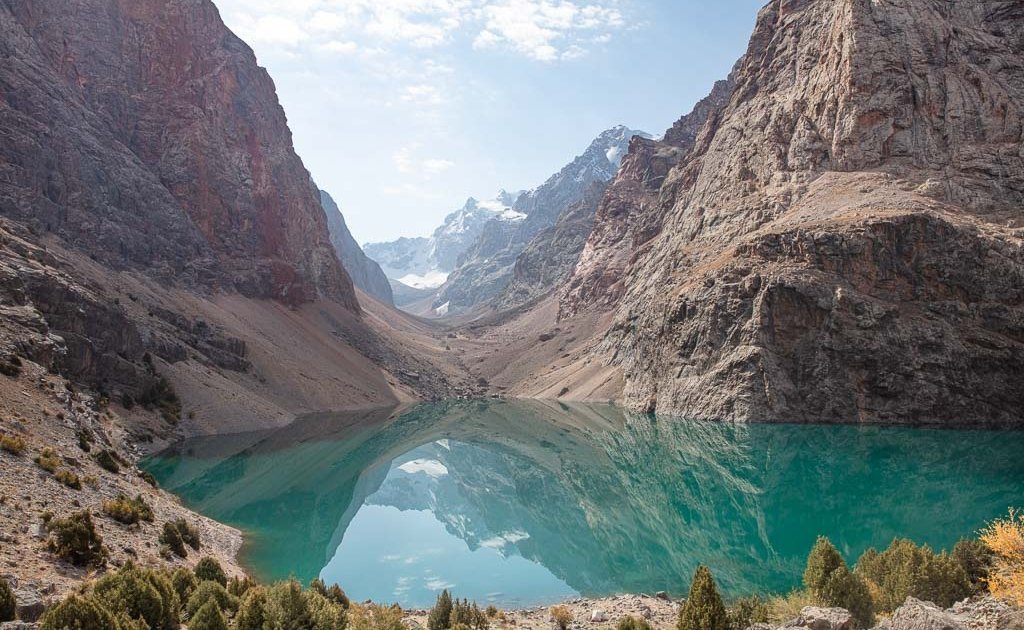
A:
{"x":815,"y":618}
{"x":917,"y":615}
{"x":597,"y":615}
{"x":1011,"y":620}
{"x":30,"y":605}
{"x":662,"y":595}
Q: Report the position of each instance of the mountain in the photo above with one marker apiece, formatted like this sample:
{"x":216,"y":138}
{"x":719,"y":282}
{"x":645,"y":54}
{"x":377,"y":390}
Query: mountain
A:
{"x":424,"y":263}
{"x":159,"y":236}
{"x":486,"y":268}
{"x":365,"y":273}
{"x":842,"y":239}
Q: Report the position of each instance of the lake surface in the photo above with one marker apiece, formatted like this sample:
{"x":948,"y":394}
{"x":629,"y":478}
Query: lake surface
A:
{"x":524,"y":503}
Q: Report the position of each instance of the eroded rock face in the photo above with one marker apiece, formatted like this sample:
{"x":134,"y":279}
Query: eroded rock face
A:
{"x":365,"y":273}
{"x":145,"y":134}
{"x":843,"y":240}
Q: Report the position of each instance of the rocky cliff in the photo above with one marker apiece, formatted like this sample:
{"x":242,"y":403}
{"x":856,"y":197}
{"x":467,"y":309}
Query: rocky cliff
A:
{"x":843,"y":240}
{"x":487,"y":267}
{"x":145,"y":134}
{"x":365,"y":273}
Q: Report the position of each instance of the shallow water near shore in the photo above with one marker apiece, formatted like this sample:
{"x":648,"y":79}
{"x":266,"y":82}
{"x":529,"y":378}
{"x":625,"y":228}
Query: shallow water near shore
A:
{"x":525,"y":502}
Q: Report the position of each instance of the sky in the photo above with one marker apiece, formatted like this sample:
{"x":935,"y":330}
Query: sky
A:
{"x":401,"y":109}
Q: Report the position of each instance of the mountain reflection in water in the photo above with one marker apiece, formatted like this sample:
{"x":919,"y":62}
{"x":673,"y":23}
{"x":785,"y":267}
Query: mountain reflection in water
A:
{"x":527,"y":502}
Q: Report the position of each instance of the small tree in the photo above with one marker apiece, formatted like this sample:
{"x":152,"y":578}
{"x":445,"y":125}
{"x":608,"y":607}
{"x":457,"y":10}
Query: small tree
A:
{"x":1005,"y":537}
{"x":252,"y":613}
{"x":206,"y":591}
{"x":208,"y":617}
{"x":184,"y":583}
{"x":8,"y":604}
{"x":440,"y":617}
{"x":823,"y":560}
{"x":844,"y":589}
{"x":975,"y":558}
{"x":139,"y":594}
{"x":747,"y":611}
{"x":703,"y":609}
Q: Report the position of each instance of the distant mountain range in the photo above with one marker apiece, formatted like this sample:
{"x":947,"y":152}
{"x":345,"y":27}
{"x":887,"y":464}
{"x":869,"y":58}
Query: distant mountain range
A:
{"x":471,"y":258}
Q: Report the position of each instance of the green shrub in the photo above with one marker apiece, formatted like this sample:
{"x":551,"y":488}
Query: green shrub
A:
{"x":77,"y":612}
{"x":184,"y":583}
{"x":373,"y":617}
{"x":84,"y":442}
{"x":491,"y":611}
{"x":323,"y":613}
{"x":703,"y":609}
{"x":634,"y":623}
{"x":975,"y":558}
{"x":239,"y":586}
{"x":333,"y":593}
{"x":823,"y":560}
{"x":209,"y":569}
{"x":785,"y":608}
{"x":12,"y":444}
{"x":108,"y":461}
{"x":208,"y":617}
{"x":252,"y":612}
{"x":176,"y":534}
{"x":440,"y":616}
{"x":171,"y":538}
{"x":468,"y":614}
{"x":206,"y":591}
{"x":75,"y":539}
{"x":845,"y":589}
{"x":8,"y":604}
{"x":160,"y":395}
{"x":127,"y":510}
{"x":68,"y":478}
{"x":904,"y":569}
{"x":48,"y":460}
{"x":140,"y":594}
{"x":747,"y":611}
{"x":287,"y":604}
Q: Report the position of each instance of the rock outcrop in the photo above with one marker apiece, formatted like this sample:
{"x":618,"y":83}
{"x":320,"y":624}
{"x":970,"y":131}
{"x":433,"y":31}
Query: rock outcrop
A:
{"x":843,"y":241}
{"x":365,"y":273}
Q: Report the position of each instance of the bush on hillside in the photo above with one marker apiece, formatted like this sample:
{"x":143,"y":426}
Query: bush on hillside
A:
{"x":108,"y":461}
{"x":904,"y":569}
{"x":209,"y":569}
{"x":77,"y":611}
{"x":1005,"y":537}
{"x":844,"y":589}
{"x":48,"y":460}
{"x":170,"y":538}
{"x":468,"y":614}
{"x":747,"y":611}
{"x":184,"y":583}
{"x":975,"y":558}
{"x":140,"y":594}
{"x":129,"y":511}
{"x":323,"y":613}
{"x":13,"y":444}
{"x":240,"y":586}
{"x":75,"y":539}
{"x":208,"y":590}
{"x":561,"y":616}
{"x":8,"y":604}
{"x":373,"y":617}
{"x":68,"y":478}
{"x":333,"y":592}
{"x":823,"y":560}
{"x":634,"y":623}
{"x":209,"y":617}
{"x":703,"y":609}
{"x":252,"y":612}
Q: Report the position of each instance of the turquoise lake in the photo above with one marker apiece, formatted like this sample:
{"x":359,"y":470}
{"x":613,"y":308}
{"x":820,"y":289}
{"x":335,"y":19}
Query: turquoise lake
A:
{"x":526,"y":503}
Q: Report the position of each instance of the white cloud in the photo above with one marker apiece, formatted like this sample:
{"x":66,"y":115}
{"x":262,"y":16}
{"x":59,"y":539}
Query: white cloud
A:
{"x":407,"y":163}
{"x":336,"y":46}
{"x":422,"y":94}
{"x":544,"y":30}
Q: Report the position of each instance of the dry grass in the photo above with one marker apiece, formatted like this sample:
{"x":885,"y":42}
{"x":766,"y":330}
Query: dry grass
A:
{"x":783,"y":608}
{"x":12,"y":444}
{"x":1005,"y":537}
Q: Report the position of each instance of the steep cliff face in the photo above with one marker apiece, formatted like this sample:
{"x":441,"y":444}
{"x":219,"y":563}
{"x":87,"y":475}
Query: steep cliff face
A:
{"x":145,"y":134}
{"x":549,"y":258}
{"x":843,"y":242}
{"x":365,"y":273}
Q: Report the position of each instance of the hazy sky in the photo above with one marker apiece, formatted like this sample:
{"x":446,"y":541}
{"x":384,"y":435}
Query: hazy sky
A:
{"x":403,"y":108}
